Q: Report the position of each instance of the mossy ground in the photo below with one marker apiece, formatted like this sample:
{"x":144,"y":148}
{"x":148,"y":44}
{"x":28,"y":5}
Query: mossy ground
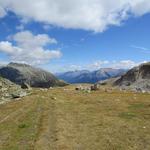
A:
{"x":75,"y":120}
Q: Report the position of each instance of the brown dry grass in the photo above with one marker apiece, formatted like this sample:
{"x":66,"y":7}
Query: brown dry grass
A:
{"x":76,"y":120}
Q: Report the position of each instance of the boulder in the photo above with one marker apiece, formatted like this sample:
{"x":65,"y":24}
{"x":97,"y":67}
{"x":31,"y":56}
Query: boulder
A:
{"x":9,"y":91}
{"x":79,"y":88}
{"x":18,"y":94}
{"x":25,"y":86}
{"x":95,"y":87}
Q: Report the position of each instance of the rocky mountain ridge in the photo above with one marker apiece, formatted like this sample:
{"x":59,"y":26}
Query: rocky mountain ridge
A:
{"x":85,"y":76}
{"x":35,"y":77}
{"x":138,"y":78}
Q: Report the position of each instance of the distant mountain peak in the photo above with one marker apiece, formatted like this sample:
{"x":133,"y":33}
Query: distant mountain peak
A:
{"x":18,"y":64}
{"x":86,"y":76}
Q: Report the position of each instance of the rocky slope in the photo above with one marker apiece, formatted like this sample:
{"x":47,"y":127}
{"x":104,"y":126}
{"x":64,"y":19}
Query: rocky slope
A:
{"x":137,"y":78}
{"x":85,"y":76}
{"x":35,"y":77}
{"x":9,"y":90}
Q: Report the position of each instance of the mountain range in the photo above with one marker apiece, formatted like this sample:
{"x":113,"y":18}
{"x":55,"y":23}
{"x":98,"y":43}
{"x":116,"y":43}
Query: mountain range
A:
{"x":85,"y":76}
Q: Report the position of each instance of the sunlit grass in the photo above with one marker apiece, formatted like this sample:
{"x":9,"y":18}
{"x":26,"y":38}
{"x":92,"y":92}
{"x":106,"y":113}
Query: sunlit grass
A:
{"x":65,"y":119}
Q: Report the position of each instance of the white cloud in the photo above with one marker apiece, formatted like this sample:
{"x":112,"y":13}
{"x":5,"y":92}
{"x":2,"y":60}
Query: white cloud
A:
{"x":26,"y":38}
{"x":95,"y":15}
{"x":3,"y":63}
{"x":125,"y":64}
{"x":47,"y":27}
{"x":20,"y":27}
{"x":142,"y":49}
{"x":29,"y":48}
{"x":122,"y":64}
{"x":2,"y":12}
{"x":98,"y":64}
{"x":139,"y":47}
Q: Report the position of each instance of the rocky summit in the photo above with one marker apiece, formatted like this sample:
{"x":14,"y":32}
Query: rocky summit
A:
{"x":26,"y":74}
{"x":137,"y":78}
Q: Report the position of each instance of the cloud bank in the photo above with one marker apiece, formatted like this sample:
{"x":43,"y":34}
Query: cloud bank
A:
{"x":29,"y":48}
{"x":122,"y":64}
{"x":94,"y":15}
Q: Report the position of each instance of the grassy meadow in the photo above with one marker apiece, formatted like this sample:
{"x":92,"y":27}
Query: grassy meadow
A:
{"x":65,"y":119}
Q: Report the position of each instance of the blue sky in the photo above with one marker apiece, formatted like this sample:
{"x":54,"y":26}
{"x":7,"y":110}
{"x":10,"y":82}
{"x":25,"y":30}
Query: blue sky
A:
{"x":62,"y":46}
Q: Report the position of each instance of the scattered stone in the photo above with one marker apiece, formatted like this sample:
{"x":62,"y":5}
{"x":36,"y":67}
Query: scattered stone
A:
{"x":4,"y":89}
{"x":1,"y":85}
{"x":43,"y":89}
{"x":79,"y":88}
{"x":7,"y":95}
{"x":18,"y":94}
{"x":54,"y":98}
{"x":95,"y":87}
{"x":10,"y":91}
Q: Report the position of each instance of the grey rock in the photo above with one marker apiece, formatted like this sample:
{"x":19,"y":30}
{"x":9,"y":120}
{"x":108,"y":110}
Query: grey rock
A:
{"x":1,"y":85}
{"x":136,"y":79}
{"x":25,"y":86}
{"x":95,"y":87}
{"x":18,"y":94}
{"x":9,"y":90}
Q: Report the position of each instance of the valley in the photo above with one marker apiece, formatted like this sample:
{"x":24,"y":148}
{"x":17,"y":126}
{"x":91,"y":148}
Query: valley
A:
{"x":74,"y":75}
{"x":62,"y":118}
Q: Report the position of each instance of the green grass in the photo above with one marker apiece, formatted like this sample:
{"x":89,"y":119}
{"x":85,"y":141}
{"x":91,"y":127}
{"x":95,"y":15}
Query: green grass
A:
{"x":138,"y":106}
{"x":22,"y":126}
{"x":127,"y":115}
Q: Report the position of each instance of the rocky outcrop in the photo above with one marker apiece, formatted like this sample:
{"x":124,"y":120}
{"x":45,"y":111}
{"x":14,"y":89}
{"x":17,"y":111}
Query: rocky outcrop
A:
{"x":9,"y":90}
{"x":137,"y":79}
{"x":34,"y":77}
{"x":25,"y":86}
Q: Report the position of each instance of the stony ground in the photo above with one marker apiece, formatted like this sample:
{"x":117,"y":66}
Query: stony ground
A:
{"x":65,"y":119}
{"x":9,"y":91}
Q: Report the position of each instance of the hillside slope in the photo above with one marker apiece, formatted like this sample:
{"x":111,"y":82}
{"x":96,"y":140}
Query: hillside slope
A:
{"x":35,"y":77}
{"x":136,"y":78}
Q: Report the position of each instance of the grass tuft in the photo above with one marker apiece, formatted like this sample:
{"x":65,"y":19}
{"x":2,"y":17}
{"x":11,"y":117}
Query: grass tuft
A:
{"x":127,"y":115}
{"x":21,"y":126}
{"x":137,"y":106}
